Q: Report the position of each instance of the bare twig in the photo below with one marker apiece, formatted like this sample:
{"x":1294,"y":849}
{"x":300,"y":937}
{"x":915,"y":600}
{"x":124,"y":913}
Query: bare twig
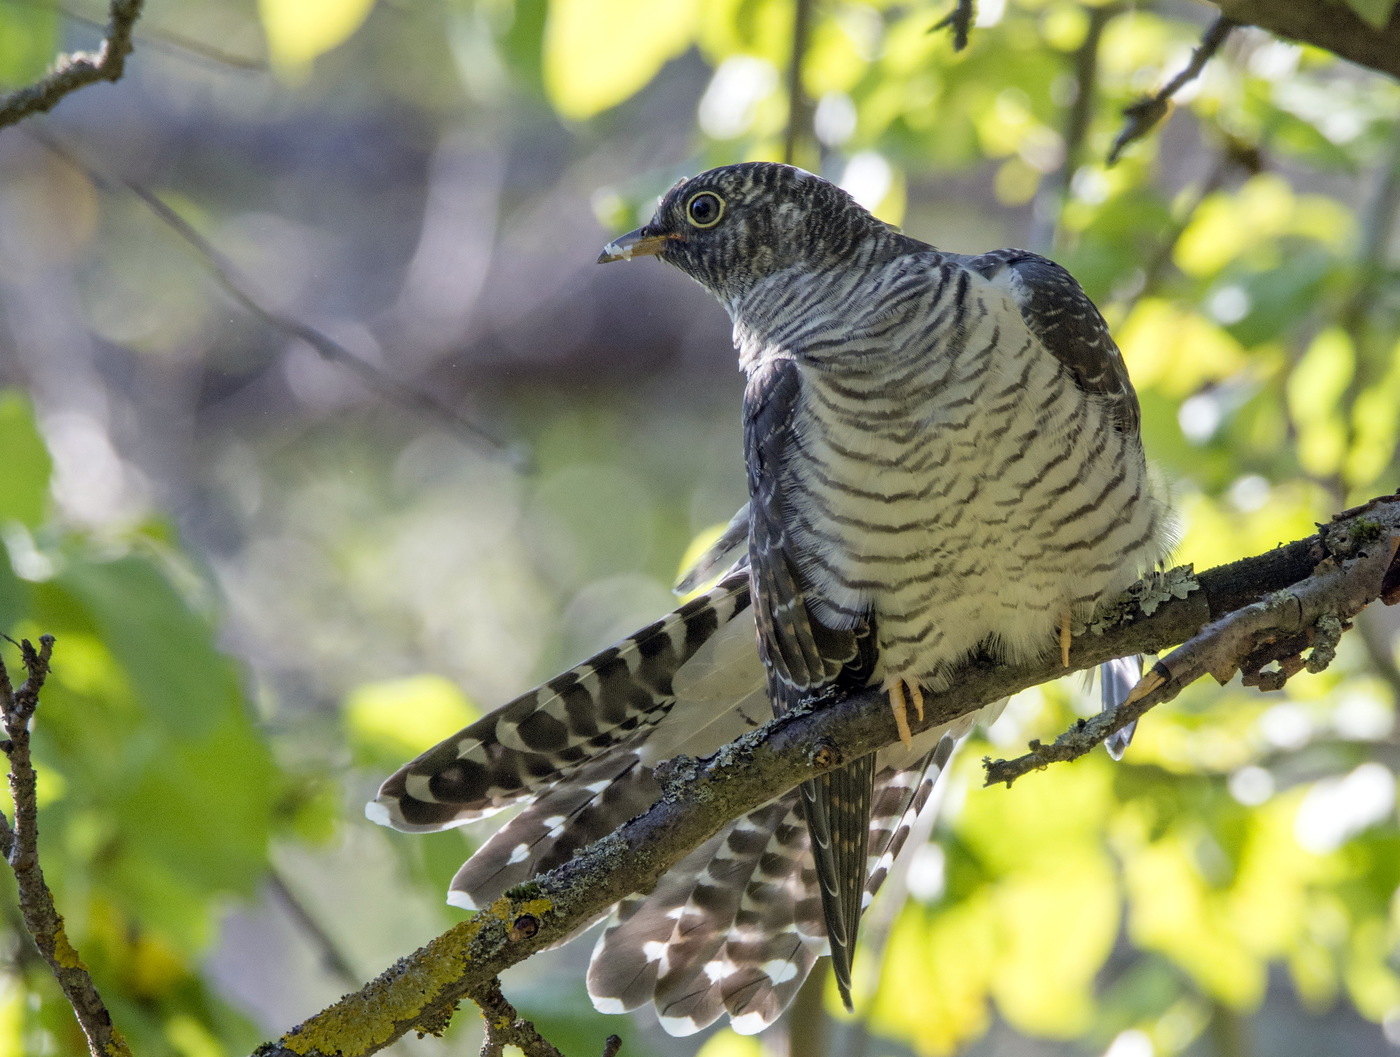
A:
{"x":959,"y":22}
{"x":21,"y":846}
{"x":702,"y":796}
{"x":1085,"y":63}
{"x":157,"y":39}
{"x":504,"y":1027}
{"x":1312,"y":613}
{"x":226,"y":276}
{"x":332,"y":957}
{"x":77,"y":69}
{"x":1146,"y":112}
{"x":798,"y":105}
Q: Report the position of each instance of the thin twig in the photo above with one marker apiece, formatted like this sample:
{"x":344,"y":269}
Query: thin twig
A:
{"x":77,"y":69}
{"x":1078,"y":119}
{"x":175,"y":44}
{"x":959,"y":22}
{"x":331,"y":955}
{"x":798,"y":106}
{"x":1313,"y":612}
{"x":225,"y":275}
{"x":41,"y":918}
{"x":1146,"y":112}
{"x":504,"y":1027}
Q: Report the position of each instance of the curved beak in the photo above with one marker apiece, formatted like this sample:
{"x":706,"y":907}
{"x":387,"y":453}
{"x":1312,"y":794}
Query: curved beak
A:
{"x":634,"y":244}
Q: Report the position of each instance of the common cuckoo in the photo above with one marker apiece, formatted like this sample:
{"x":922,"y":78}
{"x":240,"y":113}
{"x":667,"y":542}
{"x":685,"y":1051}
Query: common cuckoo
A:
{"x":943,"y":459}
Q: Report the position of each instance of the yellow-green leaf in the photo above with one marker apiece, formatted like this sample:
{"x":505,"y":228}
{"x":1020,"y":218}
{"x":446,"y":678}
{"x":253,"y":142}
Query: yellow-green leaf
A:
{"x":596,"y":54}
{"x":392,"y":720}
{"x":299,"y":31}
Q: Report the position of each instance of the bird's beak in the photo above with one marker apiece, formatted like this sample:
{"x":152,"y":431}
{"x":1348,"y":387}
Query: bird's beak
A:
{"x":634,"y":244}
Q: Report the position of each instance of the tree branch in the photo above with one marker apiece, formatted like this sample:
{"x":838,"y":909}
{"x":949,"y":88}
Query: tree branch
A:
{"x":77,"y":69}
{"x":1143,"y":115}
{"x":20,"y":845}
{"x":1329,"y":24}
{"x":700,"y":796}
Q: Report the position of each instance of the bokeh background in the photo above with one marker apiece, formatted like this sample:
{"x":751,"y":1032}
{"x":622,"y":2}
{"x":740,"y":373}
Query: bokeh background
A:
{"x":275,"y":573}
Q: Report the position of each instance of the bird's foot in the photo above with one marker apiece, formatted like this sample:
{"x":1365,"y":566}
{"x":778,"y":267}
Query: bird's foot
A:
{"x":901,"y":695}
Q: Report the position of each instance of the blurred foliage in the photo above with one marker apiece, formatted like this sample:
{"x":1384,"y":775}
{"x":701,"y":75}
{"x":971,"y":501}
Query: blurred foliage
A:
{"x":147,"y":831}
{"x":1245,"y":254}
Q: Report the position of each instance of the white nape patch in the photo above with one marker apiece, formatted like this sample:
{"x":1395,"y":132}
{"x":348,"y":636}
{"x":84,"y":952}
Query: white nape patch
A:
{"x":604,"y":1004}
{"x":749,"y":1023}
{"x":462,"y":900}
{"x":377,"y":811}
{"x":678,"y":1027}
{"x":779,"y":970}
{"x":416,"y":786}
{"x":519,"y":853}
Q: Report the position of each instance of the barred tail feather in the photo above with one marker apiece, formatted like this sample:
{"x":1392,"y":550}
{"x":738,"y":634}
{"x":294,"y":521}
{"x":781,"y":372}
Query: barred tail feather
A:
{"x":614,"y":699}
{"x":601,"y":797}
{"x":736,"y":927}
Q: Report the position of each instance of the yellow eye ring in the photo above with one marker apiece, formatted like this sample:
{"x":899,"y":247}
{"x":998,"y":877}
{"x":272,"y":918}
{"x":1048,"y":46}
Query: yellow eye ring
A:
{"x":705,"y":209}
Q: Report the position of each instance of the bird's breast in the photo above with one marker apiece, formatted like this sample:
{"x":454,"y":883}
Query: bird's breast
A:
{"x":966,"y":493}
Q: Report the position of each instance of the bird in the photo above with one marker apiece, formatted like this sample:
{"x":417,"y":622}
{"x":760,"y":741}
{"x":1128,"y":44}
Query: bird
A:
{"x":944,"y":462}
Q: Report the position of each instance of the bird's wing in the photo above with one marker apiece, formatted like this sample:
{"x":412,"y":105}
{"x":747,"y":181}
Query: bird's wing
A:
{"x":1068,"y":324}
{"x":805,"y":658}
{"x":724,"y":554}
{"x":1060,"y":314}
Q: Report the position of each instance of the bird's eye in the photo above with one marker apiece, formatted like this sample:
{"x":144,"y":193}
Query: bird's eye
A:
{"x":704,"y":209}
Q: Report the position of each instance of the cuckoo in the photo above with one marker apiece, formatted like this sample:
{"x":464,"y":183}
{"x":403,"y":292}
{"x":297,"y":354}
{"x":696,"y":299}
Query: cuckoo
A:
{"x":943,"y":461}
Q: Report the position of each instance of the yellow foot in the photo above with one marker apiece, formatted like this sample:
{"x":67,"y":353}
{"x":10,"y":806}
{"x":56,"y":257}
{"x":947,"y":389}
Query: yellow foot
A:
{"x":1145,"y":686}
{"x":901,"y":695}
{"x":1065,"y":637}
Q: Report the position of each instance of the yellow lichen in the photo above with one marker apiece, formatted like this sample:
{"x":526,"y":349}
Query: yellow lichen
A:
{"x":388,"y":1005}
{"x":63,"y":951}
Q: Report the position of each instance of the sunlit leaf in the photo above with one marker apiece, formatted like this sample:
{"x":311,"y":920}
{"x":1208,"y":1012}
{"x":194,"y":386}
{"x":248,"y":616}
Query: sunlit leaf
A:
{"x":168,"y":652}
{"x":1314,"y":389}
{"x":395,"y":720}
{"x":298,"y":31}
{"x":25,"y":495}
{"x":29,"y":42}
{"x":596,"y":54}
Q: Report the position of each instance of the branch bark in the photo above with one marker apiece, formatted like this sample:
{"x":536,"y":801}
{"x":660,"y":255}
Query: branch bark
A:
{"x":1329,"y":24}
{"x":419,"y":992}
{"x":20,"y":845}
{"x":77,"y":69}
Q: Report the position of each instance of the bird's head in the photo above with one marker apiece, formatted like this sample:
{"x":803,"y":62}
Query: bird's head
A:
{"x":731,"y":227}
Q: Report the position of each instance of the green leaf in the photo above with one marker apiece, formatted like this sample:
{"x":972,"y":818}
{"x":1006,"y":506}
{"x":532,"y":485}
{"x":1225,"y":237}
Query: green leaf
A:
{"x":596,"y":54}
{"x":25,"y":460}
{"x":167,"y":652}
{"x":299,"y":31}
{"x":1375,"y":13}
{"x":28,"y":42}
